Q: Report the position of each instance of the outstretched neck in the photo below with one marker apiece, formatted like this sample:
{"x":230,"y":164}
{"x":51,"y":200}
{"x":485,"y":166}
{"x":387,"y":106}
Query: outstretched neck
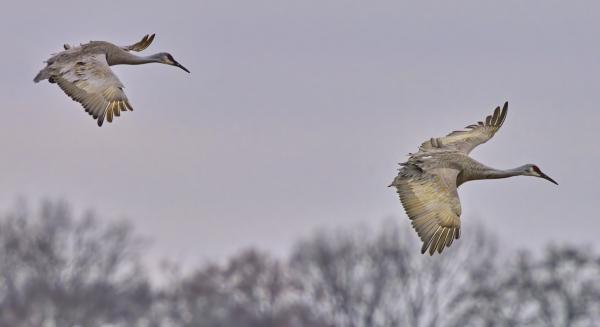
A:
{"x":483,"y":172}
{"x":498,"y":173}
{"x":126,"y":58}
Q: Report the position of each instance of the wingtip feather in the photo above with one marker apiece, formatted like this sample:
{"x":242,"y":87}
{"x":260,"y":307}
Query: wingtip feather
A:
{"x":504,"y":113}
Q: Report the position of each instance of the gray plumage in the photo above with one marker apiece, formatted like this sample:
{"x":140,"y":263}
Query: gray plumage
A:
{"x":83,"y":73}
{"x":427,"y":183}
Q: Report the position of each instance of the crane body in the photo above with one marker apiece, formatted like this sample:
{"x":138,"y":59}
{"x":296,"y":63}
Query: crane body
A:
{"x":428,"y":182}
{"x":83,"y":73}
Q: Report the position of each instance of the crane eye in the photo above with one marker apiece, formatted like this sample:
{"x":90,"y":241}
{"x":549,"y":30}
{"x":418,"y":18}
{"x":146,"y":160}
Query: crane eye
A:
{"x":536,"y":169}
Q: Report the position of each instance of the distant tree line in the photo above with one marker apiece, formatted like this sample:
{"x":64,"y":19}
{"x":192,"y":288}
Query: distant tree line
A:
{"x":58,"y":271}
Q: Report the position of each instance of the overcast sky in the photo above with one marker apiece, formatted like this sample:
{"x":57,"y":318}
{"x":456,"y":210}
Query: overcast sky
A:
{"x":296,"y":114}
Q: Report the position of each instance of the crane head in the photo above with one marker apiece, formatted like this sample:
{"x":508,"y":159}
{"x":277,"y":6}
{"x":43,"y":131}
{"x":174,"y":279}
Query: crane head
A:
{"x":533,"y":170}
{"x":167,"y":58}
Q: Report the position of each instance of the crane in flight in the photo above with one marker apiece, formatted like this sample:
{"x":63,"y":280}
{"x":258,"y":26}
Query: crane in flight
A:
{"x":427,"y":183}
{"x":83,"y":73}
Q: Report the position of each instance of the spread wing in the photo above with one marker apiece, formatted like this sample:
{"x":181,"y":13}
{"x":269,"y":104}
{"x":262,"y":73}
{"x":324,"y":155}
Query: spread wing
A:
{"x":476,"y":134}
{"x":431,"y":201}
{"x":90,"y":81}
{"x":141,"y":45}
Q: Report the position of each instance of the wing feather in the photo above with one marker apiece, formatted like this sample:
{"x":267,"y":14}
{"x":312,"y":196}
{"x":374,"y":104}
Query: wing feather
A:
{"x":475,"y":134}
{"x":90,"y":81}
{"x":431,"y":201}
{"x":141,"y":45}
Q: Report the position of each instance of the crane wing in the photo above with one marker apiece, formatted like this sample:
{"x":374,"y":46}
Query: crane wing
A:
{"x":141,"y":45}
{"x":431,"y":201}
{"x":474,"y":135}
{"x":90,"y":81}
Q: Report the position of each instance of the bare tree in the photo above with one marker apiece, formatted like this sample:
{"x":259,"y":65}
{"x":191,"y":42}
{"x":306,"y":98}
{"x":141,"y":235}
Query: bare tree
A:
{"x":358,"y":279}
{"x":59,"y":271}
{"x":562,"y":288}
{"x":252,"y":289}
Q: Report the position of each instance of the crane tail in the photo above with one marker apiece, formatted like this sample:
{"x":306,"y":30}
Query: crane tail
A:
{"x":42,"y":75}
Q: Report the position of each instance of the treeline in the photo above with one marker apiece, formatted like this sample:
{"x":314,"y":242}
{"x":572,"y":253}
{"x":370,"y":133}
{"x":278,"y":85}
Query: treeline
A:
{"x":58,"y":271}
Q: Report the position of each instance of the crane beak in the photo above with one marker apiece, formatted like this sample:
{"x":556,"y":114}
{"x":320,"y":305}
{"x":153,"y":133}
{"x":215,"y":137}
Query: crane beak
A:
{"x":544,"y":176}
{"x":176,"y":64}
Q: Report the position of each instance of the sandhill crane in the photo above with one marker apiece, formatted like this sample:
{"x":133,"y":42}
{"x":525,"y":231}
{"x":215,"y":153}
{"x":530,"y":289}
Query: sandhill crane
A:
{"x":427,"y":183}
{"x":84,"y":74}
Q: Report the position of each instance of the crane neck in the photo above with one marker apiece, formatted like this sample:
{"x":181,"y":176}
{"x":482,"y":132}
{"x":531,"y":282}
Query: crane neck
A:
{"x":493,"y":173}
{"x":480,"y":171}
{"x":126,"y":58}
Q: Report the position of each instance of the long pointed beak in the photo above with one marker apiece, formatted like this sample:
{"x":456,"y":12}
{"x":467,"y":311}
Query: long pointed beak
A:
{"x":544,"y":176}
{"x":180,"y":66}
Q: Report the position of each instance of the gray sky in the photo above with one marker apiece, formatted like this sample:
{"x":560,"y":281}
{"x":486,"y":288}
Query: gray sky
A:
{"x":297,"y":112}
